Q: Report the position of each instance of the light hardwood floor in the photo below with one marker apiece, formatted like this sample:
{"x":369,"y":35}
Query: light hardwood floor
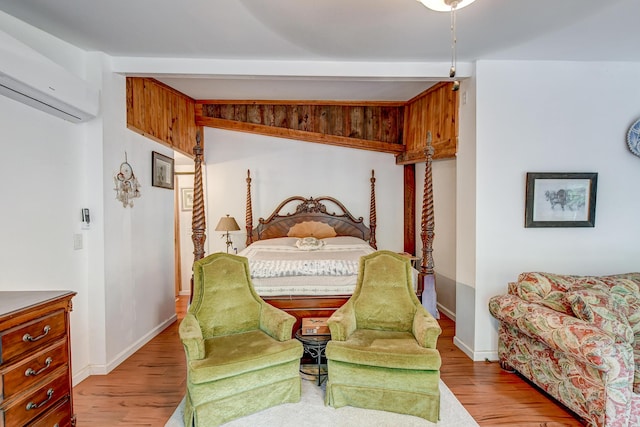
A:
{"x":145,"y":389}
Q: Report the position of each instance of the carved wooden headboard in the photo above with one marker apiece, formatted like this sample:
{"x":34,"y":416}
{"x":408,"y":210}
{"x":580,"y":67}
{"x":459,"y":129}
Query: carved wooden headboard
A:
{"x":299,"y":216}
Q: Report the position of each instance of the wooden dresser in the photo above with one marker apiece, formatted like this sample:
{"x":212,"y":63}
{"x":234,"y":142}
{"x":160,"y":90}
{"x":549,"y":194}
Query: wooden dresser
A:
{"x":35,"y":359}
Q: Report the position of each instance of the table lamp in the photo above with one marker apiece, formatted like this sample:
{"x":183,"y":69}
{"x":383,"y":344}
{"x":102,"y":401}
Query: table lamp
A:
{"x":227,"y":223}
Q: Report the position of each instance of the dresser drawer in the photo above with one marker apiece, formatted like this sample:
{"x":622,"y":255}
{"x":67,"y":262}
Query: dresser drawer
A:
{"x":25,"y":373}
{"x":24,"y":410}
{"x":29,"y":337}
{"x":60,"y":416}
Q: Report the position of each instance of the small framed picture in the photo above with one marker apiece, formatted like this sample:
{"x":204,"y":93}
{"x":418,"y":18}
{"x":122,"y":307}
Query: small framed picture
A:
{"x":560,"y":199}
{"x":161,"y":171}
{"x":187,"y":199}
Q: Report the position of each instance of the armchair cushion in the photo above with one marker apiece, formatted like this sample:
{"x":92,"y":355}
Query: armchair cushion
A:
{"x":387,"y":349}
{"x":231,"y":355}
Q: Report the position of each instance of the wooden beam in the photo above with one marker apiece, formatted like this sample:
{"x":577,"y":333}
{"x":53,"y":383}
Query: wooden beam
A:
{"x":410,"y":209}
{"x":342,"y":141}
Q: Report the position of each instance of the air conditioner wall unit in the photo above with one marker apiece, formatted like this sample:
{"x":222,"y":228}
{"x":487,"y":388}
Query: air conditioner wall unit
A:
{"x":33,"y":79}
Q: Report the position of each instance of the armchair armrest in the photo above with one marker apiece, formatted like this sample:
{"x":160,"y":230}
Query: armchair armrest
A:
{"x":558,"y":331}
{"x":425,"y":328}
{"x":191,"y":337}
{"x":275,"y":322}
{"x":342,"y":322}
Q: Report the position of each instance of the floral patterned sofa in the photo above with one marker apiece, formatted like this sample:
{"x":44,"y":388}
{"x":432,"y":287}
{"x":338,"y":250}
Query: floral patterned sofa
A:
{"x":577,"y":338}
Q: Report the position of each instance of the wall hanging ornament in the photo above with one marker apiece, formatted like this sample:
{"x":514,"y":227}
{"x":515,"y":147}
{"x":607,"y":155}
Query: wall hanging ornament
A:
{"x":127,"y":185}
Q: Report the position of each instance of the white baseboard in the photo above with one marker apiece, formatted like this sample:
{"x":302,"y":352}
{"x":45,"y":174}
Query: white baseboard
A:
{"x":78,"y":377}
{"x":450,"y":314}
{"x":476,"y":356}
{"x":105,"y":369}
{"x":462,"y":346}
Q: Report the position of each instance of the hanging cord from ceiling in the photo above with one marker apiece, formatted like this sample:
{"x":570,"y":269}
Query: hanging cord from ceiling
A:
{"x":454,"y":55}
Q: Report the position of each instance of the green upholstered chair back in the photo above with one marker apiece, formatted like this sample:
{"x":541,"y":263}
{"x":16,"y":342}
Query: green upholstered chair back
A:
{"x":384,"y":298}
{"x":224,"y":301}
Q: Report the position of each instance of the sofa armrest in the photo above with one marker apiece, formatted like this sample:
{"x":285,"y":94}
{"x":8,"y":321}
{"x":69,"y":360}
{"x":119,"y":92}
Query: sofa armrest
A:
{"x":342,"y":322}
{"x":425,"y":328}
{"x":191,"y":337}
{"x":583,"y":341}
{"x":276,"y":323}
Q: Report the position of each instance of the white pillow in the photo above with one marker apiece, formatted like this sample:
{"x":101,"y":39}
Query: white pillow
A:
{"x":309,"y":244}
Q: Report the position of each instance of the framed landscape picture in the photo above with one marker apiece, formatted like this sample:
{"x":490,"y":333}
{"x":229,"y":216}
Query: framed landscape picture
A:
{"x":560,"y":199}
{"x":161,"y":171}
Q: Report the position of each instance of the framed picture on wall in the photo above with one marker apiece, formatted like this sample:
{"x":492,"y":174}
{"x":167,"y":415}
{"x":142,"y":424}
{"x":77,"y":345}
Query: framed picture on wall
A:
{"x":187,"y":199}
{"x":161,"y":171}
{"x":560,"y":199}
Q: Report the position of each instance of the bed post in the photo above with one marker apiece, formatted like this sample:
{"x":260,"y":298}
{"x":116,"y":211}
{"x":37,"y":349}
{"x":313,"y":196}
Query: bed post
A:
{"x":372,"y":212}
{"x":249,"y":212}
{"x":198,"y":223}
{"x":427,"y":276}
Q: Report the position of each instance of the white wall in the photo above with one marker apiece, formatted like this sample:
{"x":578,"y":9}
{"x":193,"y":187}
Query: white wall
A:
{"x":281,"y":168}
{"x":124,"y":273}
{"x":42,"y":197}
{"x":551,"y":117}
{"x":139,"y":241}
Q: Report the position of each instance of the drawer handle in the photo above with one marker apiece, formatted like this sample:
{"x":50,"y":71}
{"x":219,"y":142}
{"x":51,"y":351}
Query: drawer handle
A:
{"x":31,"y":373}
{"x":28,"y":337}
{"x":32,"y":405}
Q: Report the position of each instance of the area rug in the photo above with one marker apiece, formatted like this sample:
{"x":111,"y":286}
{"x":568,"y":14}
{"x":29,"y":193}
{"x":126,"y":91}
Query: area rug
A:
{"x":311,"y":412}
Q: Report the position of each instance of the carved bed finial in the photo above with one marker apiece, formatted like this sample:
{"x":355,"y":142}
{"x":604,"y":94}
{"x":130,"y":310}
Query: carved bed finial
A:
{"x":249,"y":212}
{"x":198,"y":225}
{"x":372,"y":212}
{"x":428,"y":220}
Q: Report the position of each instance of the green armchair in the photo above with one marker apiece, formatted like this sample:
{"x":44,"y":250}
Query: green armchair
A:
{"x":240,"y":355}
{"x":382,"y":354}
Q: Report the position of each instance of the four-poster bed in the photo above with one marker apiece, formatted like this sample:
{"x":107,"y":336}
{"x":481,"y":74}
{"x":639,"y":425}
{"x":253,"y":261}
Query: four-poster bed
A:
{"x":304,"y":260}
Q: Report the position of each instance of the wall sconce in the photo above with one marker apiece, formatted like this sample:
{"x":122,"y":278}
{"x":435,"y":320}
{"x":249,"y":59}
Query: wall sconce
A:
{"x":227,"y":223}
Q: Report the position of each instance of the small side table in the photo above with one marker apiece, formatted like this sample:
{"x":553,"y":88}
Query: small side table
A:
{"x":315,"y":346}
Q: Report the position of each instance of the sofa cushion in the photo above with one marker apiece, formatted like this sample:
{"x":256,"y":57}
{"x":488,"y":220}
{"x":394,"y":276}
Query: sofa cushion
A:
{"x":546,"y":289}
{"x":605,"y":309}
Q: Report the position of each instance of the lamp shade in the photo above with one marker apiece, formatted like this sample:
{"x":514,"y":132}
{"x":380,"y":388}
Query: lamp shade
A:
{"x":445,"y":5}
{"x":227,"y":223}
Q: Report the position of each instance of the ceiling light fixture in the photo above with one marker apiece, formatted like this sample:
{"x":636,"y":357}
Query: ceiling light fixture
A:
{"x":445,"y":5}
{"x":449,"y":6}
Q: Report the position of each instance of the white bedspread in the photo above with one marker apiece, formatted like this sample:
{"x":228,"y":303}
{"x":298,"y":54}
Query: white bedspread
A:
{"x":279,"y":268}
